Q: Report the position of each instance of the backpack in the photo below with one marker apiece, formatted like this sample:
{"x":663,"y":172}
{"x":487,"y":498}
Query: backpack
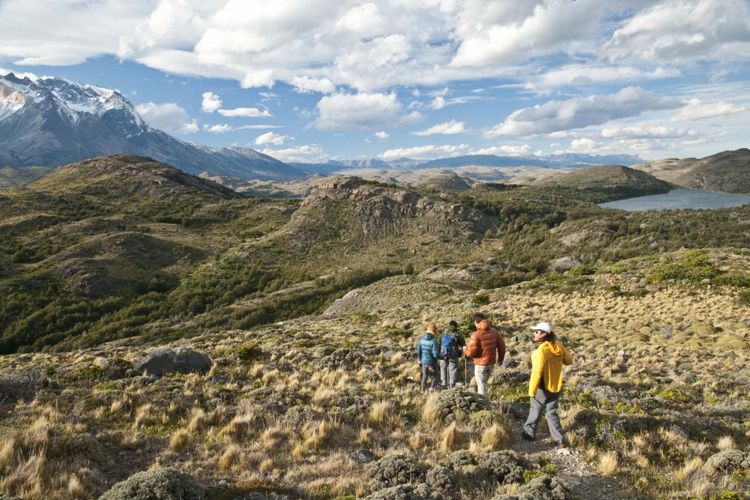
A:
{"x":449,"y":346}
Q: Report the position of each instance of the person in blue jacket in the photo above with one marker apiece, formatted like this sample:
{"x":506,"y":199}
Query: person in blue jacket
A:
{"x":427,"y":355}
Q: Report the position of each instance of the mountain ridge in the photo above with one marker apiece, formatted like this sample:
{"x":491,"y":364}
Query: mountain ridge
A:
{"x":49,"y":122}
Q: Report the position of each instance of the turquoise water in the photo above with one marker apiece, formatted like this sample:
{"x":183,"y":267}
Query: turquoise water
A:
{"x":679,"y":199}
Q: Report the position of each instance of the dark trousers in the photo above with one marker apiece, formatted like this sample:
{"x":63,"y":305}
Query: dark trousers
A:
{"x":427,"y":371}
{"x":547,"y":402}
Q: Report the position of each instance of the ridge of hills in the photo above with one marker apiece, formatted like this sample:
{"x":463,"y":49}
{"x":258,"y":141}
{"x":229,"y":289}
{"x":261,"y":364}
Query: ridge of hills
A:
{"x":309,"y":310}
{"x":727,"y":171}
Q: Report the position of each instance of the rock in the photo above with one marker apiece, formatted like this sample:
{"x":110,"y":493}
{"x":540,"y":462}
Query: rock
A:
{"x":452,"y":402}
{"x":347,"y":359}
{"x":726,"y":462}
{"x":541,"y":488}
{"x":363,"y":456}
{"x":168,"y":360}
{"x":564,"y":264}
{"x":395,"y":470}
{"x":159,"y":484}
{"x":506,"y":466}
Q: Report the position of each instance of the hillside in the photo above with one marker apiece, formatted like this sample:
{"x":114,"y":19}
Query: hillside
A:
{"x":15,"y":177}
{"x":728,"y":171}
{"x":308,"y":311}
{"x":609,"y":183}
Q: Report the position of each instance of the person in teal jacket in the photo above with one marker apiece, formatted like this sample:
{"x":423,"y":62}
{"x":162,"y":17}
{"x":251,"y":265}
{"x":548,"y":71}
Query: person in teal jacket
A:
{"x":427,"y":355}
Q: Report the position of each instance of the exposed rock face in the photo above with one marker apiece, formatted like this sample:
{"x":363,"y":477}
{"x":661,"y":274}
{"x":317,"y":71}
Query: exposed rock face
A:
{"x":173,"y":360}
{"x":160,"y":484}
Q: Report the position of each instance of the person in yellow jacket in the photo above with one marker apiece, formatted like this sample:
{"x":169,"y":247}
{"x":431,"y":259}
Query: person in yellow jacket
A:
{"x":546,"y":383}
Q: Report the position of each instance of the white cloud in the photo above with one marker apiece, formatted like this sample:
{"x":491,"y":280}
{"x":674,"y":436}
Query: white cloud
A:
{"x":586,"y":74}
{"x":304,"y":84}
{"x":644,"y":132}
{"x":245,"y":112}
{"x":270,"y":138}
{"x":679,"y":31}
{"x":168,"y":117}
{"x":218,"y":128}
{"x":582,"y":145}
{"x":365,"y":110}
{"x":505,"y":149}
{"x":310,"y":153}
{"x":695,"y":109}
{"x":258,"y":127}
{"x":425,"y":152}
{"x":210,"y":102}
{"x":382,"y":135}
{"x":448,"y":128}
{"x":580,"y":112}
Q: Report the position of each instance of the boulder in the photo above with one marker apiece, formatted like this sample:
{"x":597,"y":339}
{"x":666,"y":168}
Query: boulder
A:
{"x":168,"y":360}
{"x":564,"y":264}
{"x":159,"y":484}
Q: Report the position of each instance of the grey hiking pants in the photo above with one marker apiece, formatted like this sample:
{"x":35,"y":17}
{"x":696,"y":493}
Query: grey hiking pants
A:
{"x":448,"y":371}
{"x":427,"y":371}
{"x":547,"y":402}
{"x":482,"y":375}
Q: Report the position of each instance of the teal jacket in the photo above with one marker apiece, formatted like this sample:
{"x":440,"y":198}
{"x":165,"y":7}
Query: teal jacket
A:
{"x":427,"y":349}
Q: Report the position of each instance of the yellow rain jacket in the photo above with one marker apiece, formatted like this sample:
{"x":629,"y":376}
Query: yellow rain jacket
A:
{"x":547,"y":361}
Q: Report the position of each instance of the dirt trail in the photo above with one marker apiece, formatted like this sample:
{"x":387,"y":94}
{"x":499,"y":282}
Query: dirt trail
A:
{"x":584,"y":482}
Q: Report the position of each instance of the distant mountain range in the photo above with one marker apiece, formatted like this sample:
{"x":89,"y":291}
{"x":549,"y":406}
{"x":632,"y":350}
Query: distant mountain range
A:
{"x":48,"y":122}
{"x":550,"y":161}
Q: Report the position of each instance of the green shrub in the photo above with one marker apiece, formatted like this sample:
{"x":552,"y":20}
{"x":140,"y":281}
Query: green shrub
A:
{"x":249,"y":351}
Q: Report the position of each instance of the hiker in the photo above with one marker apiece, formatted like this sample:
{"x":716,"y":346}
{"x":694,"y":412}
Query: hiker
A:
{"x":546,"y":383}
{"x":486,"y":347}
{"x":451,"y":344}
{"x":427,"y":354}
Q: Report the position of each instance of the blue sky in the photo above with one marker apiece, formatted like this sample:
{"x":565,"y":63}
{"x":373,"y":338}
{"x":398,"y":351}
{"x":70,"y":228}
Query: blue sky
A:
{"x":314,"y":80}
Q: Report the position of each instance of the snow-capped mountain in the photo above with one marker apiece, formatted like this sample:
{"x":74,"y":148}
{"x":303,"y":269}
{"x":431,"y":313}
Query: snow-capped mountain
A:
{"x":52,"y":121}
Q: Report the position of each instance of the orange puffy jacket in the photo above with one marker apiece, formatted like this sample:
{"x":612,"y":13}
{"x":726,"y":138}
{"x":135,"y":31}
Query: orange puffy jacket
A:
{"x":486,"y":345}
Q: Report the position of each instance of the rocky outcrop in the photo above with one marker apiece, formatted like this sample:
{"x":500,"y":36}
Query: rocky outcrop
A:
{"x":173,"y":360}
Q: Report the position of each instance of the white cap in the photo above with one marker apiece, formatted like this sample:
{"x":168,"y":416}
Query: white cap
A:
{"x":542,"y":327}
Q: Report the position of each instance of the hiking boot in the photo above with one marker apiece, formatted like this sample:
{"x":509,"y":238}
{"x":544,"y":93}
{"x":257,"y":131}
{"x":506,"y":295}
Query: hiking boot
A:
{"x":561,"y":445}
{"x":527,"y":437}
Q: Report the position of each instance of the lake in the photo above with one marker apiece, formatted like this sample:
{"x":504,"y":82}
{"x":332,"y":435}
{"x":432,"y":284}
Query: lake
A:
{"x":679,"y":199}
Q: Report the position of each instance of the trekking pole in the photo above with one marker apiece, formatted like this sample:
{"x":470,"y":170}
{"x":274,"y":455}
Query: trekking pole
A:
{"x":466,"y":371}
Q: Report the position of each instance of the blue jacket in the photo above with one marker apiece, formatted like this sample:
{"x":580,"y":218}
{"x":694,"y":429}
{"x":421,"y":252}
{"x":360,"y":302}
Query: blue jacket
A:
{"x":427,"y":349}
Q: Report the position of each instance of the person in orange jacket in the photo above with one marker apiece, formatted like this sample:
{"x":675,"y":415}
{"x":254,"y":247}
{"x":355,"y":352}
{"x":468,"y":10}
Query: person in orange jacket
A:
{"x":546,"y":382}
{"x":486,"y":347}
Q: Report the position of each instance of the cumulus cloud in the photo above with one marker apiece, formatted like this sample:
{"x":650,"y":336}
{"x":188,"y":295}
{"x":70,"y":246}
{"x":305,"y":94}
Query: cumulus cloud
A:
{"x":309,"y":153}
{"x":168,"y":117}
{"x":580,"y":112}
{"x":218,"y":128}
{"x":270,"y":138}
{"x":245,"y":112}
{"x":679,"y":31}
{"x":644,"y":132}
{"x":304,"y":84}
{"x":695,"y":109}
{"x":586,"y":74}
{"x":364,"y":110}
{"x":505,"y":150}
{"x":425,"y":152}
{"x":381,"y":134}
{"x":210,"y":102}
{"x":448,"y":128}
